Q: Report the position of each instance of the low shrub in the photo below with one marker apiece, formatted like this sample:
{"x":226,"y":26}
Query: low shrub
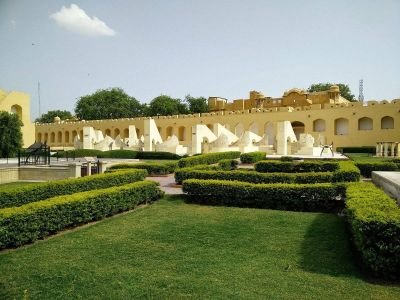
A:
{"x":374,"y":220}
{"x":152,"y":168}
{"x":347,"y":172}
{"x":367,"y":168}
{"x":35,"y":192}
{"x":78,"y":153}
{"x":270,"y":166}
{"x":367,"y":149}
{"x":296,"y":197}
{"x":124,"y":154}
{"x":228,"y":164}
{"x":209,"y":158}
{"x":157,"y":155}
{"x":252,"y":157}
{"x":33,"y":221}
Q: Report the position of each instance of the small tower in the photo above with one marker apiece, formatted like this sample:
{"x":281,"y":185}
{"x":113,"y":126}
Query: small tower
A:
{"x":361,"y":91}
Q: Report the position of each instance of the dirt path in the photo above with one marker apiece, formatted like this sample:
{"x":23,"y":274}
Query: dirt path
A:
{"x":167,"y":184}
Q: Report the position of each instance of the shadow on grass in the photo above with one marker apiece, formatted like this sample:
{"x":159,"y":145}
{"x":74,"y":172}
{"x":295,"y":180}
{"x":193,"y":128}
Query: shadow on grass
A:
{"x":326,"y":248}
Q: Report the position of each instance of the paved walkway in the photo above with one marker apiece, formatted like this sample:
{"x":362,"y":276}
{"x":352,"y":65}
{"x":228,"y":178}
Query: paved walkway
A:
{"x":167,"y":184}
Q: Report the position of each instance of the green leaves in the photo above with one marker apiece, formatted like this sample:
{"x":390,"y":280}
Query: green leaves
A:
{"x":209,"y":158}
{"x":51,"y":114}
{"x":344,"y":89}
{"x":10,"y":134}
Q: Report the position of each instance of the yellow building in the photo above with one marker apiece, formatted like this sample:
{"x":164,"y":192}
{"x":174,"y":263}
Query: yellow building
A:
{"x":323,"y":115}
{"x":19,"y":103}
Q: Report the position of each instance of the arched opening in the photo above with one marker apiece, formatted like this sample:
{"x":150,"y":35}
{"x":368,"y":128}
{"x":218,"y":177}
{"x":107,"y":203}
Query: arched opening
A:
{"x":253,"y":127}
{"x":39,"y":137}
{"x":319,"y":125}
{"x":52,"y":137}
{"x":181,"y":133}
{"x":170,"y":131}
{"x":59,"y":137}
{"x":16,"y":109}
{"x":239,"y":130}
{"x":126,"y":133}
{"x":138,"y":133}
{"x":74,"y":134}
{"x":116,"y":132}
{"x":66,"y":137}
{"x":108,"y":132}
{"x":387,"y":123}
{"x":365,"y":124}
{"x":269,"y":131}
{"x":46,"y":137}
{"x":81,"y":135}
{"x":298,"y":128}
{"x":210,"y":126}
{"x":341,"y":126}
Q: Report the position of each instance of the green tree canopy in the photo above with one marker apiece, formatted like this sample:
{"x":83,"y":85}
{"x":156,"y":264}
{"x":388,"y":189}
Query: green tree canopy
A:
{"x":345,"y":91}
{"x":165,"y":106}
{"x":51,"y":114}
{"x":10,"y":134}
{"x":111,"y":103}
{"x":196,"y":105}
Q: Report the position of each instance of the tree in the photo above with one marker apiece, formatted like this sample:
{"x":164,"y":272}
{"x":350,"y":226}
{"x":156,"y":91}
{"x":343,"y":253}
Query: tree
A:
{"x":166,"y":106}
{"x":51,"y":114}
{"x":111,"y":103}
{"x":10,"y":134}
{"x":344,"y":89}
{"x":196,"y":105}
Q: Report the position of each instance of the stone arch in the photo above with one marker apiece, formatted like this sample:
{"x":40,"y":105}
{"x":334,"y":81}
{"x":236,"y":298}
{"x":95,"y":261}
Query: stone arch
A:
{"x":387,"y":122}
{"x":254,"y":127}
{"x":46,"y":137}
{"x":298,"y":128}
{"x":116,"y":132}
{"x":138,"y":133}
{"x":269,"y":132}
{"x":170,"y":131}
{"x":52,"y":137}
{"x":341,"y":126}
{"x":39,"y":137}
{"x":365,"y":123}
{"x":108,"y":132}
{"x":319,"y":125}
{"x":59,"y":137}
{"x":126,"y":133}
{"x":239,"y":129}
{"x":17,"y":109}
{"x":74,"y":134}
{"x":181,"y":133}
{"x":66,"y":137}
{"x":81,"y":135}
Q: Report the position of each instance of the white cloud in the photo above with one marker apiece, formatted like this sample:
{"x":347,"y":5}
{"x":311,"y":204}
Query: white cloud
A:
{"x":76,"y":20}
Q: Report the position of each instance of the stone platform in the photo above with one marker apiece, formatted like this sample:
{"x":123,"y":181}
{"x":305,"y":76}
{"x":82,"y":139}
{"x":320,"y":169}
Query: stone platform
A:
{"x":389,"y":182}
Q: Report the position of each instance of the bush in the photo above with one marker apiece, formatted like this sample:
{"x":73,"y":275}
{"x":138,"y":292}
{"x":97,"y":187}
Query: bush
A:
{"x":252,"y":157}
{"x":157,"y":155}
{"x":40,"y":191}
{"x":367,"y":168}
{"x":151,"y":167}
{"x":347,"y":172}
{"x":296,"y":197}
{"x":228,"y":164}
{"x":78,"y":153}
{"x":209,"y":158}
{"x":369,"y":150}
{"x":270,"y":166}
{"x":30,"y":222}
{"x":374,"y":220}
{"x":124,"y":154}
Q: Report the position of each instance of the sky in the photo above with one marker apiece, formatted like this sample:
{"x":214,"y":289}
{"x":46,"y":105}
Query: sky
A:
{"x":203,"y":48}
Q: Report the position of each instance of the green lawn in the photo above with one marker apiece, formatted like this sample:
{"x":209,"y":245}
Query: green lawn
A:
{"x":367,"y":158}
{"x":175,"y":250}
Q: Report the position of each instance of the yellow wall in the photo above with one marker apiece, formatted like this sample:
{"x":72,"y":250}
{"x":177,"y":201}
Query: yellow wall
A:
{"x":18,"y":102}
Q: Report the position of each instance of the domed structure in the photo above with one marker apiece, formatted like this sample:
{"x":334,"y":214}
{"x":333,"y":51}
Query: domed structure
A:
{"x":57,"y":119}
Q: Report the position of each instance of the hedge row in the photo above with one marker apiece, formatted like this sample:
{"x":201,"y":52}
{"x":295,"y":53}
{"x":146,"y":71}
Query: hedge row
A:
{"x":152,"y":168}
{"x":209,"y":158}
{"x":297,"y":197}
{"x":123,"y":154}
{"x":270,"y":166}
{"x":21,"y":195}
{"x":252,"y":157}
{"x":375,"y":225}
{"x":367,"y":168}
{"x":33,"y":221}
{"x":370,"y":150}
{"x":228,"y":164}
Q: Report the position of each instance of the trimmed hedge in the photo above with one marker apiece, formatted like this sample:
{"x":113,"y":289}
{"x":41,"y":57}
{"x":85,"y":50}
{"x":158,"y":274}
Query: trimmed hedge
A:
{"x":366,"y":149}
{"x":33,"y":221}
{"x":252,"y":157}
{"x":296,"y":197}
{"x":157,"y":155}
{"x":35,"y":192}
{"x":270,"y":166}
{"x":152,"y":168}
{"x":347,"y":172}
{"x":123,"y":154}
{"x":367,"y":168}
{"x":374,"y":220}
{"x":207,"y":159}
{"x":228,"y":164}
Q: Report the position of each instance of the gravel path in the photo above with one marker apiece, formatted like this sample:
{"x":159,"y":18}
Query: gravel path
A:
{"x":167,"y":184}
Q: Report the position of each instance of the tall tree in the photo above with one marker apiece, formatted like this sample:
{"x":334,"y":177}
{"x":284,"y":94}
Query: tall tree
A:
{"x":51,"y":114}
{"x":345,"y":91}
{"x":111,"y":103}
{"x":165,"y":106}
{"x":196,"y":105}
{"x":10,"y":134}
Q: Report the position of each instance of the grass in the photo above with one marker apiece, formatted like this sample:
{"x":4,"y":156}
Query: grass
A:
{"x":367,"y":158}
{"x":175,"y":250}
